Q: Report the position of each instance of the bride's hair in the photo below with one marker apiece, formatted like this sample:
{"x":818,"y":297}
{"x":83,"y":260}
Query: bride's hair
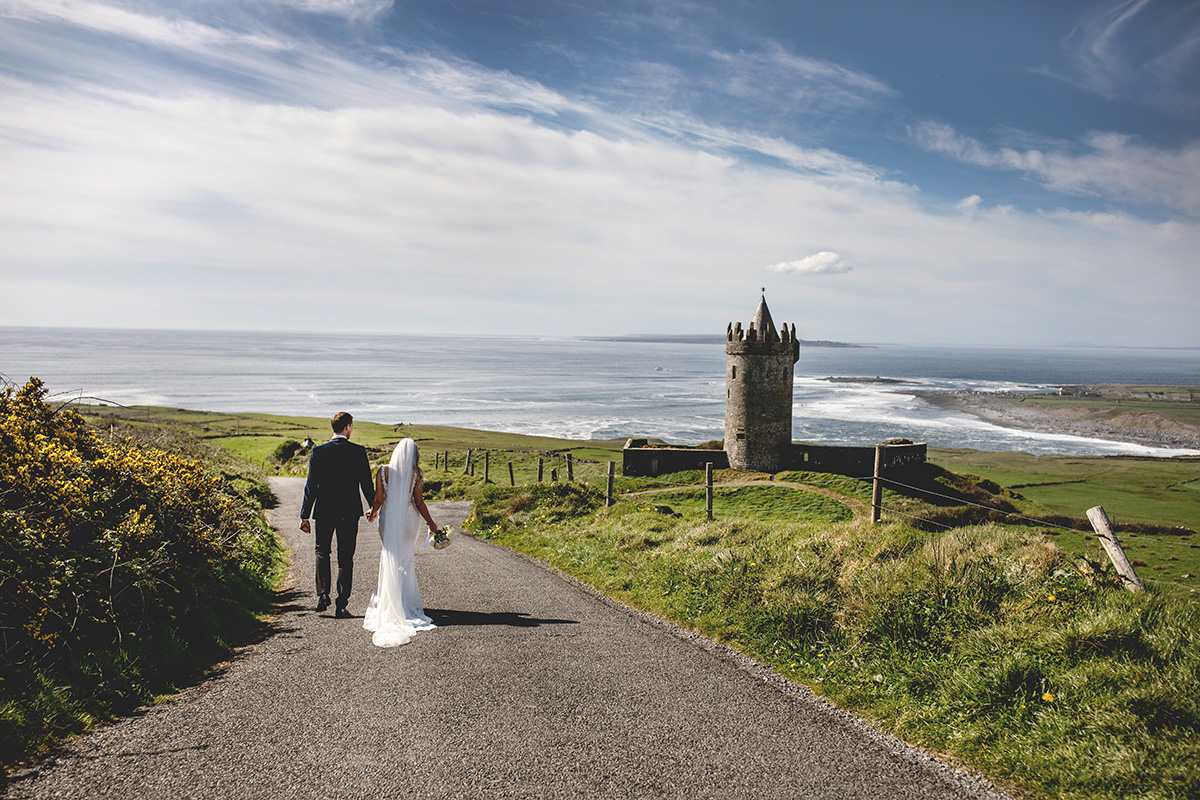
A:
{"x":416,"y":452}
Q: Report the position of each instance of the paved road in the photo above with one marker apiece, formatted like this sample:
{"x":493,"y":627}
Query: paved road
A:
{"x":532,"y":687}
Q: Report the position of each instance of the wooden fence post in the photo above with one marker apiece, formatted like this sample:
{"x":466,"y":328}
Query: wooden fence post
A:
{"x":877,"y":487}
{"x":708,"y":489}
{"x":512,"y":480}
{"x":467,"y":465}
{"x":541,"y":465}
{"x":487,"y":466}
{"x":570,"y":468}
{"x":553,"y":475}
{"x":1112,"y":546}
{"x":608,"y":497}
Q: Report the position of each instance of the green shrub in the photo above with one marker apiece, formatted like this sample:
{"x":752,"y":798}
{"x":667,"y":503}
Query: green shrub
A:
{"x":286,"y":450}
{"x":124,"y":569}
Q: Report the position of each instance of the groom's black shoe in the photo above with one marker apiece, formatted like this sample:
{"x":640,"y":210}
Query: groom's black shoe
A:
{"x":322,"y":603}
{"x":342,"y":613}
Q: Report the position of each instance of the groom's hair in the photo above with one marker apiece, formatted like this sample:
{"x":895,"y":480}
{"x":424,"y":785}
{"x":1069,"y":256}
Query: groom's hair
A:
{"x":340,"y":420}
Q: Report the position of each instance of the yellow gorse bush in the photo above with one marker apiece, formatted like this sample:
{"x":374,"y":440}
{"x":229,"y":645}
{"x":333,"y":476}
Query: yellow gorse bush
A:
{"x":99,"y":540}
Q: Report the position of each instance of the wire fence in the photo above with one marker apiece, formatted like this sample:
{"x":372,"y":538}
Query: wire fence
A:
{"x":920,"y":490}
{"x":516,"y":467}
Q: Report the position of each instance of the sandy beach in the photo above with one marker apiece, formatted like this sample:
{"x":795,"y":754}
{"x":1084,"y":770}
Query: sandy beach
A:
{"x":1011,"y":412}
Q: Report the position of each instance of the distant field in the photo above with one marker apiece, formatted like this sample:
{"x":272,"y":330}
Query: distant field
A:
{"x":255,"y":437}
{"x":1130,"y":489}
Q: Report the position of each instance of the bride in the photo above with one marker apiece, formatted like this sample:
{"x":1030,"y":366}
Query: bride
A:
{"x":395,"y":612}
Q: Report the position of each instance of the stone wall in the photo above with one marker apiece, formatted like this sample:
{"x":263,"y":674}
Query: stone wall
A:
{"x":859,"y":462}
{"x":642,"y":461}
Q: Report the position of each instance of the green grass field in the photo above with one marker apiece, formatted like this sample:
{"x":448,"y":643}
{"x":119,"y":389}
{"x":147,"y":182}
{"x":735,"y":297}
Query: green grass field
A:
{"x":762,"y":502}
{"x":1154,"y":491}
{"x":255,"y":437}
{"x":1130,"y":489}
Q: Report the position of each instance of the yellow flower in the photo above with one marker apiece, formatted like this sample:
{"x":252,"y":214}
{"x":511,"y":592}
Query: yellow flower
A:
{"x":1050,"y":598}
{"x":1049,"y":698}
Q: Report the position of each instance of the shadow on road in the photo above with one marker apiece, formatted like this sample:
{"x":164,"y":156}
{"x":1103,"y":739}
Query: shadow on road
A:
{"x":447,"y":617}
{"x":288,"y":600}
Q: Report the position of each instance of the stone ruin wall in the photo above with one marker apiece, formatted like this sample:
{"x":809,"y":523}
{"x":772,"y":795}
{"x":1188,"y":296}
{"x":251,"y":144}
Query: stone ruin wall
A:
{"x":858,"y":462}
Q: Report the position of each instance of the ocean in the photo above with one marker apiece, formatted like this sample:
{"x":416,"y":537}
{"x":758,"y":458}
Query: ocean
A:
{"x":573,"y":387}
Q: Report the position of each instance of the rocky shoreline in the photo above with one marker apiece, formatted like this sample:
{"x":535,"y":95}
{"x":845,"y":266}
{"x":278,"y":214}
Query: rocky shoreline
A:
{"x":1009,"y":411}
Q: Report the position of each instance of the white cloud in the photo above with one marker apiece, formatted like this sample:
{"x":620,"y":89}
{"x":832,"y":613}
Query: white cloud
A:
{"x":796,"y":83}
{"x":460,"y":195}
{"x":1142,"y":50}
{"x":822,"y":263}
{"x":351,"y":9}
{"x":150,"y":28}
{"x":969,"y":205}
{"x":1111,"y":165}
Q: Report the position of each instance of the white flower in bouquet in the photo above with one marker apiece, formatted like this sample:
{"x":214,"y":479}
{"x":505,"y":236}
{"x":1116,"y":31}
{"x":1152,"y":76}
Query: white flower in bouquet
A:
{"x":440,"y":538}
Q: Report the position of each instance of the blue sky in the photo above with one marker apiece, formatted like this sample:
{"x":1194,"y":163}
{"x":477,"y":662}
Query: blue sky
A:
{"x":986,"y":172}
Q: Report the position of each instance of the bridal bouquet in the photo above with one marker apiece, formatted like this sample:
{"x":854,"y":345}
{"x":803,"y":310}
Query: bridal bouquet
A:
{"x":440,"y":539}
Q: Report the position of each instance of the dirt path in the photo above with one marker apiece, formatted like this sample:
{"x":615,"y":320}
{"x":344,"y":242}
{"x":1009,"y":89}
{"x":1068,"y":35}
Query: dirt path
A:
{"x":531,"y":687}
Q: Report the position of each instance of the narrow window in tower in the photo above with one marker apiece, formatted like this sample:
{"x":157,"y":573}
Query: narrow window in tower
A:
{"x":734,"y":373}
{"x":741,"y":435}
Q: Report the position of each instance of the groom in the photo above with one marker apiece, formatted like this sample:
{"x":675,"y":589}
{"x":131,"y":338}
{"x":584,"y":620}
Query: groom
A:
{"x":337,"y":471}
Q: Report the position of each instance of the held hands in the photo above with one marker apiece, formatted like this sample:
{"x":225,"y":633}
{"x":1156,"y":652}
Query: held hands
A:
{"x":371,"y":514}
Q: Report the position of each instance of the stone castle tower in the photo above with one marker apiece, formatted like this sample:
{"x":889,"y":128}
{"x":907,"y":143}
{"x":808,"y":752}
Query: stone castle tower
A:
{"x":759,"y":365}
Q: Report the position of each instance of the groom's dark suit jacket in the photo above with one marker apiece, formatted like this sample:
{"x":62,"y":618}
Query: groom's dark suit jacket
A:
{"x":337,"y":471}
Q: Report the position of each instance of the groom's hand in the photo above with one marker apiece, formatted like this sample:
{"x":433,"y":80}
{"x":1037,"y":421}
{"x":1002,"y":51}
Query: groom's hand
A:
{"x":304,"y":526}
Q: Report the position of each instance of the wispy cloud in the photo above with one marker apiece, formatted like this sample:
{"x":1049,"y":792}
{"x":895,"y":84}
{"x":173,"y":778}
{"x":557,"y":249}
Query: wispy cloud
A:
{"x":1109,"y":165}
{"x":1144,"y":50}
{"x":150,"y":28}
{"x":791,"y":83}
{"x":351,"y":9}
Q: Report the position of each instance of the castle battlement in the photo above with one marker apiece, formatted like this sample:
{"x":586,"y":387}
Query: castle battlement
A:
{"x":761,"y":336}
{"x":751,"y":340}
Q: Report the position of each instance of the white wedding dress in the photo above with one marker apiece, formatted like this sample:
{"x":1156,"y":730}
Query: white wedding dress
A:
{"x":395,"y":612}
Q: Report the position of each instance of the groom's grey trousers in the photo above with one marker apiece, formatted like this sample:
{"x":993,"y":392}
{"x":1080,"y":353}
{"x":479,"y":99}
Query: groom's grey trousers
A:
{"x":346,"y":529}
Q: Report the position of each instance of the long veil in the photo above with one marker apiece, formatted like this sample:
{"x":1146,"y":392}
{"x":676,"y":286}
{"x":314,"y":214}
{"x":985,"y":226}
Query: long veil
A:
{"x":395,"y":611}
